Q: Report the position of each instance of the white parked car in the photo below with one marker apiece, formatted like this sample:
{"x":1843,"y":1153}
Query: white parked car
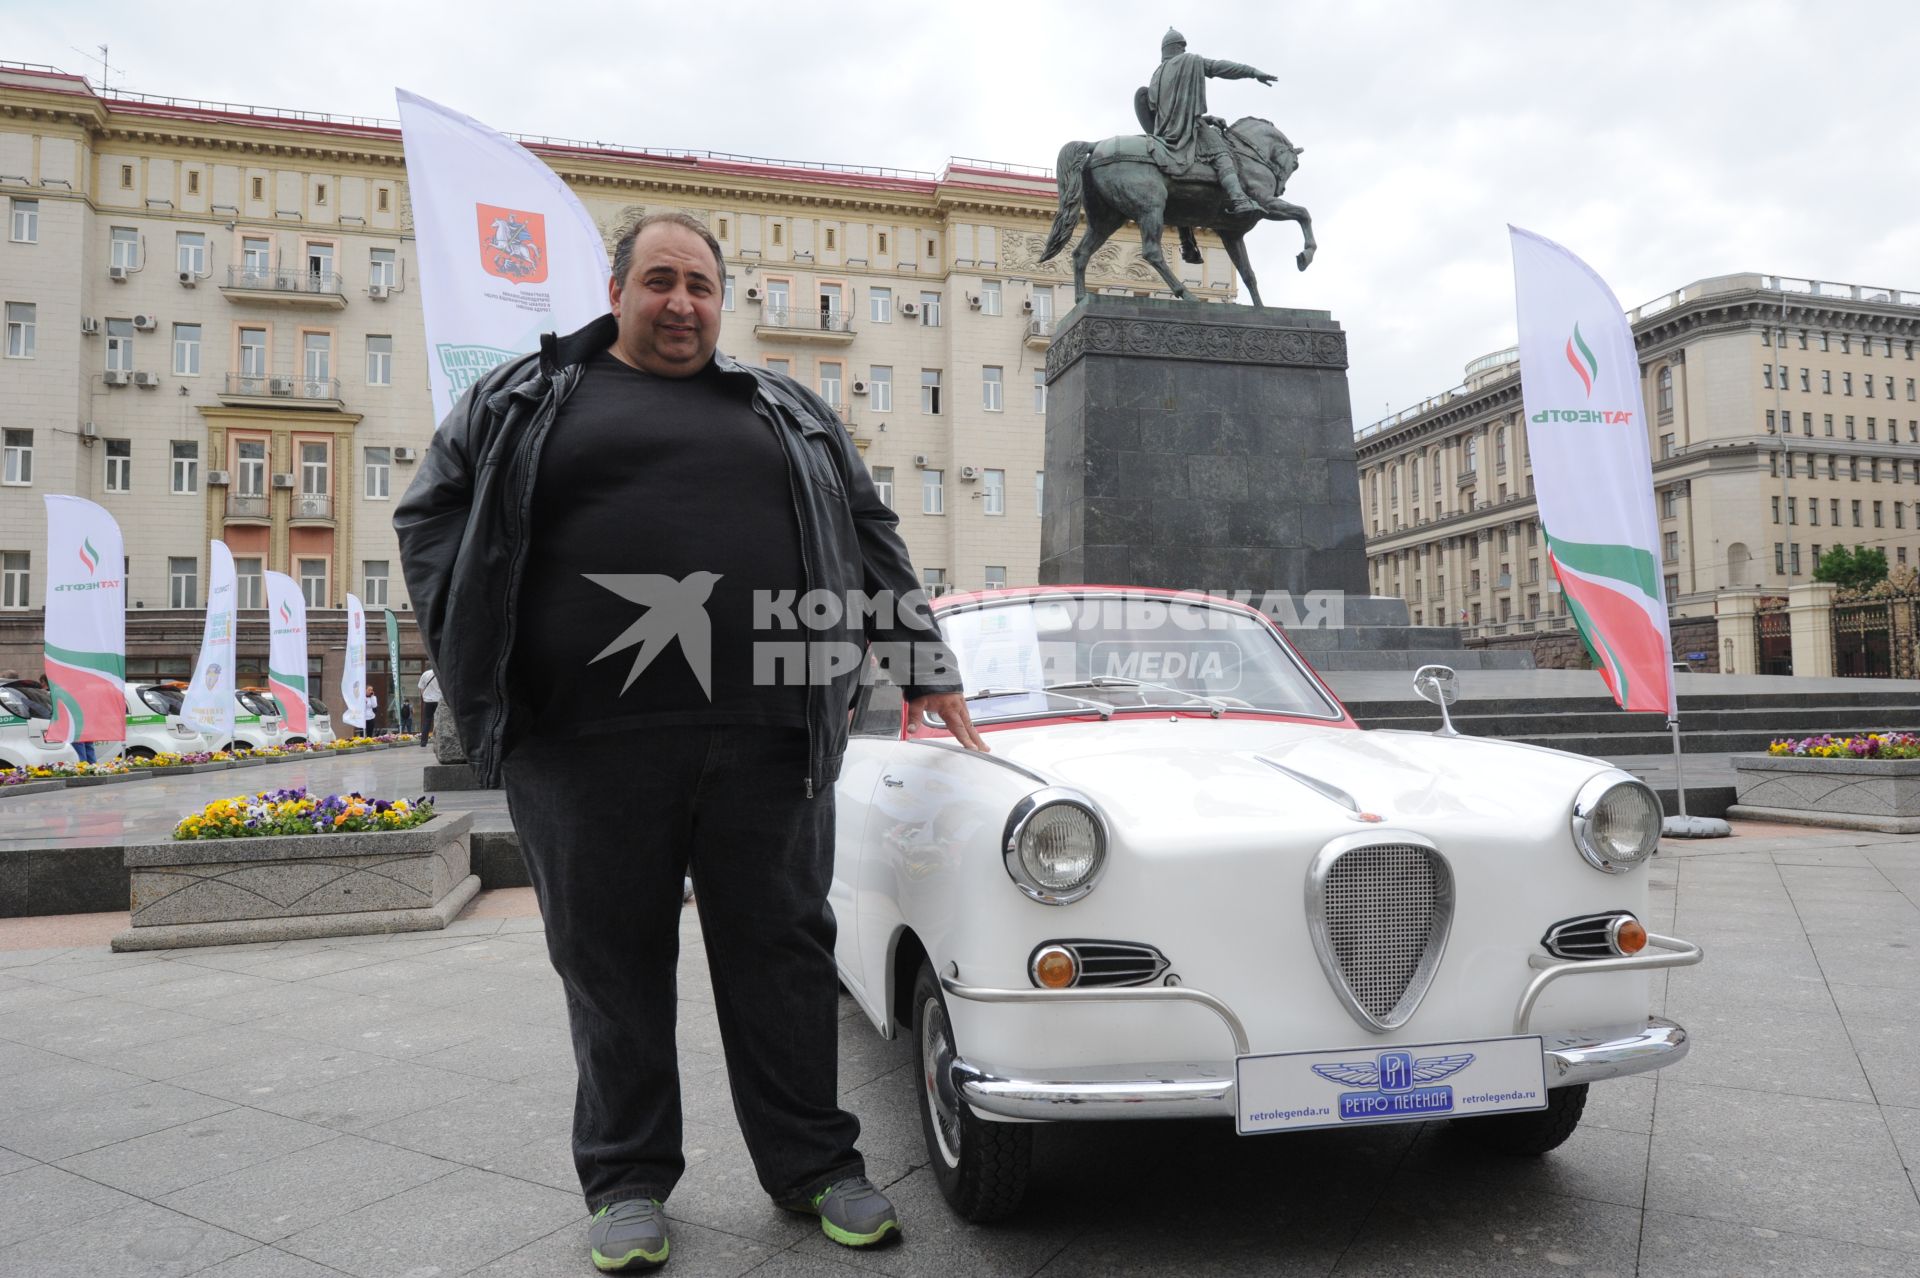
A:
{"x":26,"y":713}
{"x":154,"y":725}
{"x":1185,"y":883}
{"x":319,"y":724}
{"x":256,"y":721}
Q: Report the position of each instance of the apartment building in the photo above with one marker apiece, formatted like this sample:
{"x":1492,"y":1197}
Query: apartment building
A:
{"x":213,"y":329}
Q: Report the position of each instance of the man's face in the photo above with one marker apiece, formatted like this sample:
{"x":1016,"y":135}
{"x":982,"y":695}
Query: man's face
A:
{"x":669,"y":304}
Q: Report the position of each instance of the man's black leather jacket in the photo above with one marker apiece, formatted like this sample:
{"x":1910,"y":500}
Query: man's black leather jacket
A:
{"x":464,"y":521}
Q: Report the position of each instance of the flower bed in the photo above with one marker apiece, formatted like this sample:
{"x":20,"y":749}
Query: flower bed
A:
{"x":169,"y":761}
{"x":66,"y":771}
{"x":1871,"y":745}
{"x":282,"y":812}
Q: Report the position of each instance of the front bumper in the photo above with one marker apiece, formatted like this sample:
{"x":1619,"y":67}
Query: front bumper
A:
{"x":1206,"y":1088}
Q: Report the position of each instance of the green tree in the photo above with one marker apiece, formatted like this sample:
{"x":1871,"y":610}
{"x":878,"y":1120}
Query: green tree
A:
{"x":1856,"y":569}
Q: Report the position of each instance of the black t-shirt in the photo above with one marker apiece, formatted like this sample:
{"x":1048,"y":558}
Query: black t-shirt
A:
{"x":678,"y":481}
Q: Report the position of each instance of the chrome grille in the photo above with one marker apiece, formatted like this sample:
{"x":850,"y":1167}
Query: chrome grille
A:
{"x":1381,"y":914}
{"x":1111,"y":963}
{"x":1588,"y":937}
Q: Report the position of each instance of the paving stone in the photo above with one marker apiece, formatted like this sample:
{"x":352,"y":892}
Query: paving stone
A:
{"x":1432,"y":1227}
{"x":1802,"y":1053}
{"x":1622,"y":1104}
{"x":141,"y":1240}
{"x":696,"y":1253}
{"x":365,"y":1099}
{"x":314,"y":962}
{"x":546,"y":1160}
{"x":192,"y":986}
{"x":1717,"y":1249}
{"x":62,"y":1081}
{"x":396,"y":1030}
{"x":268,"y":1262}
{"x":191,"y":1053}
{"x":104,"y":1118}
{"x":11,"y":1162}
{"x":26,"y":994}
{"x":392,"y":971}
{"x":507,"y":1053}
{"x":1596,"y":1162}
{"x":293,"y":1066}
{"x":94,"y":1025}
{"x":162,"y":1161}
{"x":455,"y":1223}
{"x":1821,"y":1167}
{"x":119,"y":978}
{"x":271,"y":998}
{"x":473,"y":1128}
{"x":40,"y":1198}
{"x":284,"y":1195}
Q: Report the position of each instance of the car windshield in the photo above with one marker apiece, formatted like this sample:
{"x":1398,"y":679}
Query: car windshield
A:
{"x":1062,"y":654}
{"x":25,"y":701}
{"x":258,"y":704}
{"x":162,"y":700}
{"x":317,"y":707}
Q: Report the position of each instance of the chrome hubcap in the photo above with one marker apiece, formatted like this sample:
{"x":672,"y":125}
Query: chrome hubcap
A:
{"x":936,"y":1058}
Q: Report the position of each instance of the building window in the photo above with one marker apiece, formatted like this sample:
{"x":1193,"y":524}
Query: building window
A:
{"x":930,"y":391}
{"x":22,"y":326}
{"x":1666,"y":389}
{"x":1040,"y":494}
{"x":379,"y":360}
{"x":256,"y":257}
{"x":24,"y":224}
{"x":933,"y":497}
{"x":1793,"y":511}
{"x":320,"y":194}
{"x":382,"y":269}
{"x":186,"y":465}
{"x":1856,"y":513}
{"x":726,"y":294}
{"x":780,"y":364}
{"x":883,"y":485}
{"x":16,"y":577}
{"x":1473,"y":454}
{"x":313,"y":469}
{"x":930,"y":310}
{"x":316,"y":362}
{"x":186,"y":350}
{"x":996,"y":577}
{"x":259,"y":189}
{"x":832,"y":380}
{"x":313,"y":582}
{"x":1827,"y":423}
{"x":1666,"y":445}
{"x":990,"y":297}
{"x":1868,"y":381}
{"x":1766,"y":376}
{"x":1793,"y":557}
{"x":251,"y":467}
{"x":126,"y":177}
{"x":247,"y":587}
{"x":373,"y":583}
{"x":1813,"y":510}
{"x":125,"y":248}
{"x":119,"y":345}
{"x":721,"y":233}
{"x":880,"y":388}
{"x":1040,"y":390}
{"x":119,"y":465}
{"x":383,"y":200}
{"x":1806,"y":424}
{"x":1833,"y":508}
{"x":1673,"y":586}
{"x":183,"y":583}
{"x":1846,"y":383}
{"x":1806,"y":381}
{"x":1771,"y":427}
{"x":779,"y":234}
{"x":1878,"y":521}
{"x":1826,"y":381}
{"x":880,"y":303}
{"x":1669,"y":502}
{"x":190,"y":253}
{"x":379,"y":477}
{"x":253,"y":352}
{"x":993,"y":491}
{"x":882,"y":244}
{"x":992,"y":389}
{"x":934,"y":581}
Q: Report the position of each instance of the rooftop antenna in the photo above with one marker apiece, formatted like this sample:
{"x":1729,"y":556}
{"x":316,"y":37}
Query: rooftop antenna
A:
{"x":106,"y":68}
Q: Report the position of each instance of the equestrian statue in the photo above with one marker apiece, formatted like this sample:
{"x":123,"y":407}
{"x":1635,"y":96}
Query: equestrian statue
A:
{"x":1190,"y":168}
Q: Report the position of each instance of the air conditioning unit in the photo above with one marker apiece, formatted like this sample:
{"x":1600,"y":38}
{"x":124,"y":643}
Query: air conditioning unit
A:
{"x":1026,"y":307}
{"x":859,"y":388}
{"x":90,"y":326}
{"x":89,"y":431}
{"x":969,"y":473}
{"x":974,"y":301}
{"x":145,"y":323}
{"x":921,"y":460}
{"x":116,"y":377}
{"x":146,"y":379}
{"x":378,"y":292}
{"x":406,"y":454}
{"x":280,"y":385}
{"x":909,"y":309}
{"x":218,"y":478}
{"x":283,"y":479}
{"x":117,"y":273}
{"x":754,"y":293}
{"x":188,"y":279}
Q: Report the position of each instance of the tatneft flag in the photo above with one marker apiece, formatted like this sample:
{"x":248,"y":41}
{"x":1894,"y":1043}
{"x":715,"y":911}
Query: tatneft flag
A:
{"x":86,"y":627}
{"x":353,"y":673}
{"x":506,"y":251}
{"x":287,"y":650}
{"x":208,"y":704}
{"x":1592,"y":470}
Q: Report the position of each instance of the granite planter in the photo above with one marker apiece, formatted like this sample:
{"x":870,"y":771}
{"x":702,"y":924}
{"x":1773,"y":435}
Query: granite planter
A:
{"x":234,"y":891}
{"x":188,"y":769}
{"x":32,"y":787}
{"x":111,"y":778}
{"x":1855,"y":794}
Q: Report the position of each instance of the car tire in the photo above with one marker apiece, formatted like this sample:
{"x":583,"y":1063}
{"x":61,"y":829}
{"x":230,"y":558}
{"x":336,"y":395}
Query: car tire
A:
{"x":1533,"y":1133}
{"x":981,"y":1166}
{"x":139,"y":752}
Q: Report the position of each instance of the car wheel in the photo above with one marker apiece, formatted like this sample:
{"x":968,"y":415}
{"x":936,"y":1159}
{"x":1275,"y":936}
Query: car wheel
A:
{"x":139,"y":752}
{"x":981,"y":1166}
{"x":1532,"y":1133}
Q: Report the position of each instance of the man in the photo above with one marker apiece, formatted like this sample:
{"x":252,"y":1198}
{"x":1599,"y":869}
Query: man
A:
{"x":429,"y":702}
{"x":584,"y":545}
{"x":1177,"y":101}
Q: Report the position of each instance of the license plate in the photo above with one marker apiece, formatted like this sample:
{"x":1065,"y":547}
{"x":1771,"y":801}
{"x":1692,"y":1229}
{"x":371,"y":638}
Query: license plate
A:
{"x":1405,"y":1083}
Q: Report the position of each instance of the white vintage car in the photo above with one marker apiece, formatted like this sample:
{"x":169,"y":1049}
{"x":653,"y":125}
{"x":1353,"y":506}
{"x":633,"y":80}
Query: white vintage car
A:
{"x":1185,"y":883}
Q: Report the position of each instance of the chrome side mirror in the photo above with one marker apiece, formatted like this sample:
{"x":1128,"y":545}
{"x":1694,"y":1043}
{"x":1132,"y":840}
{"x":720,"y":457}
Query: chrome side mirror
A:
{"x":1439,"y":685}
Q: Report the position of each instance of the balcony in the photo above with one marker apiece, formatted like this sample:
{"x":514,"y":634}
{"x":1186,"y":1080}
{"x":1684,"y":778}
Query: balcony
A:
{"x":285,"y":285}
{"x":247,"y":389}
{"x":798,"y":324}
{"x":246,"y":507}
{"x":1039,"y":334}
{"x":312,"y":508}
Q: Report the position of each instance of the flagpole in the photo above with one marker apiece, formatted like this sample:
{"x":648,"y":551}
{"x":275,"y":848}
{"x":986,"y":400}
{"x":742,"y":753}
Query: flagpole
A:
{"x":1679,"y":782}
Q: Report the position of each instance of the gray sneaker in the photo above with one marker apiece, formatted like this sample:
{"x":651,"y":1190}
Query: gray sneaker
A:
{"x":629,"y":1234}
{"x":852,"y":1212}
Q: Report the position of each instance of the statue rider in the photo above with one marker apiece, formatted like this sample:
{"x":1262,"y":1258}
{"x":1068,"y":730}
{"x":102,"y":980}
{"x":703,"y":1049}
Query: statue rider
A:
{"x":1175,"y":112}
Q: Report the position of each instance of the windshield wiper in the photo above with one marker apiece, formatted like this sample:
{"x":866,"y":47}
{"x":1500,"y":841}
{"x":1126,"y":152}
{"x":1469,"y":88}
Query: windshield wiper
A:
{"x":1118,"y":681}
{"x":1100,"y":708}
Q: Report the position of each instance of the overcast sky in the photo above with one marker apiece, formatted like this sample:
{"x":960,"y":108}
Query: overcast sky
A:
{"x":1662,"y":142}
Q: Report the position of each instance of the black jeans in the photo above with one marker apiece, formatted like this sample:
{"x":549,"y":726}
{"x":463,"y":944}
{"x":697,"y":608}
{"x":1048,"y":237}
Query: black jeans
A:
{"x":426,"y":719}
{"x":608,"y":827}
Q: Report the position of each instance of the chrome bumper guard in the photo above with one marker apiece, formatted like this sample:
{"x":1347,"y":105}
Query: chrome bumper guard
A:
{"x":1197,"y":1089}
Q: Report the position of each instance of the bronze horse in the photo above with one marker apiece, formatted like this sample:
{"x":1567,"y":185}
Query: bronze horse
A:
{"x":1118,"y":180}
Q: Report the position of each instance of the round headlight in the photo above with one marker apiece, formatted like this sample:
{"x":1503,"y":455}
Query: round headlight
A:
{"x":1056,"y":845}
{"x":1616,"y":823}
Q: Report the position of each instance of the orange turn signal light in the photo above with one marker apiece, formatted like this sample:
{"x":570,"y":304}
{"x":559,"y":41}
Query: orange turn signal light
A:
{"x":1055,"y":968}
{"x":1629,"y":937}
